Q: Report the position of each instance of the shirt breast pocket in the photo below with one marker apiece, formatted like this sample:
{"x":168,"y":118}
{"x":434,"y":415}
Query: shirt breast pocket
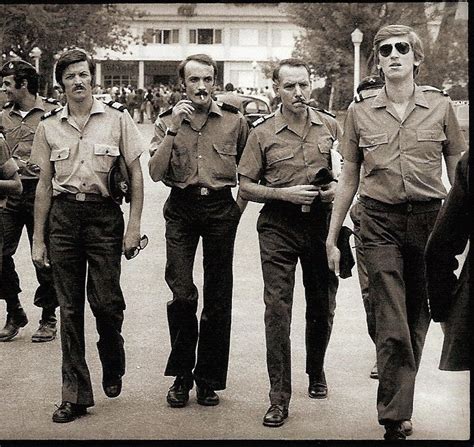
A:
{"x":375,"y":149}
{"x":62,"y":161}
{"x":226,"y":166}
{"x":280,"y":165}
{"x":430,"y":145}
{"x":104,"y":157}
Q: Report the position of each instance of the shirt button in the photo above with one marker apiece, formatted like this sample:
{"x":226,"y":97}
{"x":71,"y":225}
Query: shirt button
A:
{"x":199,"y":133}
{"x":83,"y":184}
{"x":199,"y":156}
{"x":82,"y":161}
{"x":80,"y":137}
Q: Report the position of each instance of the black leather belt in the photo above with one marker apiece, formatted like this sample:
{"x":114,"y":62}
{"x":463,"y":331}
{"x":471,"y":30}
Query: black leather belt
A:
{"x":291,"y":208}
{"x":402,"y":208}
{"x":201,"y":192}
{"x":83,"y":197}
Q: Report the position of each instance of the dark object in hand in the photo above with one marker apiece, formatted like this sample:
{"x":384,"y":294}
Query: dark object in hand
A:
{"x":346,"y":261}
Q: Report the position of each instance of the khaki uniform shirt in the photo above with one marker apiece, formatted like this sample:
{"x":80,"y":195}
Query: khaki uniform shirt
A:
{"x":8,"y":167}
{"x":19,"y":133}
{"x":401,"y":158}
{"x":204,"y":157}
{"x":82,"y":159}
{"x":278,"y":157}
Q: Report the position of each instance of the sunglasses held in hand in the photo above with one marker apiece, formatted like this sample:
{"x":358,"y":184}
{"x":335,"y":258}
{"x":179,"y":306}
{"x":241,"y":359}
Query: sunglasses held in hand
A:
{"x":130,"y":254}
{"x":401,"y":47}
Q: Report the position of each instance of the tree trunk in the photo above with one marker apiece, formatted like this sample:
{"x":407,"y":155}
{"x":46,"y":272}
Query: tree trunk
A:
{"x":331,"y":97}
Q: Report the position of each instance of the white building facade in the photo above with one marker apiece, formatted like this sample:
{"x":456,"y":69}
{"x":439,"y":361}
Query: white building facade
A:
{"x":238,"y":36}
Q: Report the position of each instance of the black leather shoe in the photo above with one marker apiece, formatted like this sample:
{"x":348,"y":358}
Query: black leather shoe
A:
{"x":394,"y":432}
{"x":112,"y":387}
{"x":68,"y":411}
{"x":46,"y":332}
{"x":206,"y":396}
{"x":275,"y":416}
{"x":15,"y":321}
{"x":178,"y":394}
{"x":318,"y":388}
{"x":374,"y":373}
{"x":407,"y":427}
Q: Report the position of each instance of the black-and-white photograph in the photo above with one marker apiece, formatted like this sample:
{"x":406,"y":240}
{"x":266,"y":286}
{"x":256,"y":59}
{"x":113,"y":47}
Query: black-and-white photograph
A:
{"x":234,"y":222}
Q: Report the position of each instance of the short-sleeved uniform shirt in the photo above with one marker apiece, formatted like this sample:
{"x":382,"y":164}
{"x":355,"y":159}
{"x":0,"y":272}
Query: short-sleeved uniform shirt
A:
{"x":277,"y":157}
{"x":82,"y":159}
{"x":20,"y":130}
{"x":208,"y":156}
{"x":8,"y":167}
{"x":402,"y":158}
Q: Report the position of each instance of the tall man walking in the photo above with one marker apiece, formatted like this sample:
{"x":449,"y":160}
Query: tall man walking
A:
{"x":196,"y":146}
{"x":75,"y":148}
{"x":398,"y":135}
{"x":285,"y":153}
{"x":18,"y":120}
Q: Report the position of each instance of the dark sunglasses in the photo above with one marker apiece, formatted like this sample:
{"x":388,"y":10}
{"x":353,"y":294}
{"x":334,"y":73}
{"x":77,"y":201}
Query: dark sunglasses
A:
{"x":401,"y":47}
{"x":141,"y":245}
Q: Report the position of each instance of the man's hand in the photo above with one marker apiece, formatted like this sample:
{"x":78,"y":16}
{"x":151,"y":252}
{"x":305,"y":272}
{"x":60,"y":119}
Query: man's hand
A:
{"x":39,"y":255}
{"x":131,"y":240}
{"x":182,"y":109}
{"x":334,"y":255}
{"x":300,"y":194}
{"x":328,"y":192}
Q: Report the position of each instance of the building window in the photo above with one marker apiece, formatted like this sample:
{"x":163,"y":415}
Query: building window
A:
{"x":248,"y":37}
{"x":162,"y":36}
{"x":205,"y":36}
{"x":122,"y":80}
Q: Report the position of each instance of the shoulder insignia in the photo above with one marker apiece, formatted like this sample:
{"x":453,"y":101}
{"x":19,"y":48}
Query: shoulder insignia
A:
{"x":51,"y":101}
{"x":116,"y":105}
{"x":166,"y":112}
{"x":429,"y":88}
{"x":51,"y":112}
{"x":262,"y":119}
{"x":227,"y":107}
{"x":369,"y":93}
{"x":358,"y":97}
{"x":326,"y":112}
{"x":7,"y":104}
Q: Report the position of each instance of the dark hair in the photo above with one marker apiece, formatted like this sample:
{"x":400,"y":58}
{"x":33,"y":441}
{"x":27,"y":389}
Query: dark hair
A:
{"x":22,"y":70}
{"x":399,"y":30}
{"x":291,"y":62}
{"x":70,"y":57}
{"x":229,"y":87}
{"x":202,"y":59}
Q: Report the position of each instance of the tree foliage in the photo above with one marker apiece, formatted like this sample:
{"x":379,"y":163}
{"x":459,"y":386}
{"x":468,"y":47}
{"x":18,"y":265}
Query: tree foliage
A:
{"x":327,"y":43}
{"x":55,"y":27}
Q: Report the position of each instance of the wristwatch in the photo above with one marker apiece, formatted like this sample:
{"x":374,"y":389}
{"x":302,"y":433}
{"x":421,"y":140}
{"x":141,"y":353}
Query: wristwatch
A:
{"x":170,"y":132}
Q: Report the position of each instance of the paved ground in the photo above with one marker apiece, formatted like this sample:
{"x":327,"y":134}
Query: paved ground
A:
{"x":30,"y":374}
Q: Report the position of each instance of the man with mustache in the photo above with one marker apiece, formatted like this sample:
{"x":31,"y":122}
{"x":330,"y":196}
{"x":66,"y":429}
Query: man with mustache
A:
{"x":285,"y":153}
{"x":398,"y":135}
{"x":75,"y":147}
{"x":195,"y":150}
{"x":18,"y":121}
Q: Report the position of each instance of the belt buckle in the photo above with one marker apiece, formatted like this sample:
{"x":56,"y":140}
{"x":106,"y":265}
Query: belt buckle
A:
{"x":81,"y":197}
{"x":204,"y":191}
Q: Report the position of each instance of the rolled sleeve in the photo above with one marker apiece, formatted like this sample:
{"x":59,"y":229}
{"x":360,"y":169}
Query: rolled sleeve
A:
{"x":243,"y":136}
{"x":251,"y":162}
{"x":40,"y":151}
{"x":455,"y":143}
{"x":349,"y":147}
{"x":159,"y":134}
{"x":132,"y":143}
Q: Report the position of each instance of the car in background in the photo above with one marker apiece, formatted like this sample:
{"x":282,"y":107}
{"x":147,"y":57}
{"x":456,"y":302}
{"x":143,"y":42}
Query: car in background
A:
{"x":252,"y":107}
{"x":462,"y":114}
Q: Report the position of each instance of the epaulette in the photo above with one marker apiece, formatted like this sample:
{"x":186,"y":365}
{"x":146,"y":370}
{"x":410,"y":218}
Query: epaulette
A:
{"x":262,"y":119}
{"x":51,"y":112}
{"x":227,"y":107}
{"x":51,"y":101}
{"x":7,"y":104}
{"x":429,"y":88}
{"x":166,"y":112}
{"x":116,"y":105}
{"x":327,"y":112}
{"x":359,"y":97}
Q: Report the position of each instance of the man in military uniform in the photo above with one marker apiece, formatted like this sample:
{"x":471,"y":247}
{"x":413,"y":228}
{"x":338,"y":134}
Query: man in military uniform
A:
{"x":194,"y":151}
{"x":398,"y":135}
{"x":285,"y":153}
{"x":75,"y":148}
{"x":19,"y":120}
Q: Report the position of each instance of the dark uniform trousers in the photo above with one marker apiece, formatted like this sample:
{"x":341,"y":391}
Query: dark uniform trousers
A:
{"x":17,"y":214}
{"x":86,"y":241}
{"x":214,"y":217}
{"x":286,"y":235}
{"x":394,"y":238}
{"x":355,"y":213}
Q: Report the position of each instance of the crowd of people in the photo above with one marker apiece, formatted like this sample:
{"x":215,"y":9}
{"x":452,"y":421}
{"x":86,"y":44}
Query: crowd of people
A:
{"x":55,"y":179}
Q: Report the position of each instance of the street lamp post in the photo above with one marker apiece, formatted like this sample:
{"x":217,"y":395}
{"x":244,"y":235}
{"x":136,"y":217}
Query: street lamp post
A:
{"x":254,"y":68}
{"x":356,"y":37}
{"x":35,"y":54}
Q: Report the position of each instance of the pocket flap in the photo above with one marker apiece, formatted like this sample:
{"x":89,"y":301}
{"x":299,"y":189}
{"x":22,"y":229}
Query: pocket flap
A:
{"x":276,"y":156}
{"x":105,"y":149}
{"x":430,"y":135}
{"x":59,"y":154}
{"x":226,"y":149}
{"x":373,"y":140}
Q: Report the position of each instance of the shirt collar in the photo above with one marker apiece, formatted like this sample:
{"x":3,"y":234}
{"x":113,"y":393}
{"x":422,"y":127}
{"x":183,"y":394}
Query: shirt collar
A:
{"x":97,"y":107}
{"x":213,"y":109}
{"x":381,"y":100}
{"x":280,"y":122}
{"x":38,"y":105}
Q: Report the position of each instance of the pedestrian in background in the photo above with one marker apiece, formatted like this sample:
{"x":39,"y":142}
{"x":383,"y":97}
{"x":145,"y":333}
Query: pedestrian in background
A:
{"x":75,"y":148}
{"x":286,"y":151}
{"x":398,"y":135}
{"x":195,"y":149}
{"x":19,"y":119}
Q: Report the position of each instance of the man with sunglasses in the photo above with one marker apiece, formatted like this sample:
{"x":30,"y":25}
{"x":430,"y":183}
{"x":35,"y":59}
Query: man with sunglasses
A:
{"x":75,"y":147}
{"x":398,"y":135}
{"x":18,"y":121}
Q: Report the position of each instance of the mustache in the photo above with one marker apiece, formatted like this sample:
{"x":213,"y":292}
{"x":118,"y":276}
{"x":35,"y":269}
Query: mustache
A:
{"x":302,"y":100}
